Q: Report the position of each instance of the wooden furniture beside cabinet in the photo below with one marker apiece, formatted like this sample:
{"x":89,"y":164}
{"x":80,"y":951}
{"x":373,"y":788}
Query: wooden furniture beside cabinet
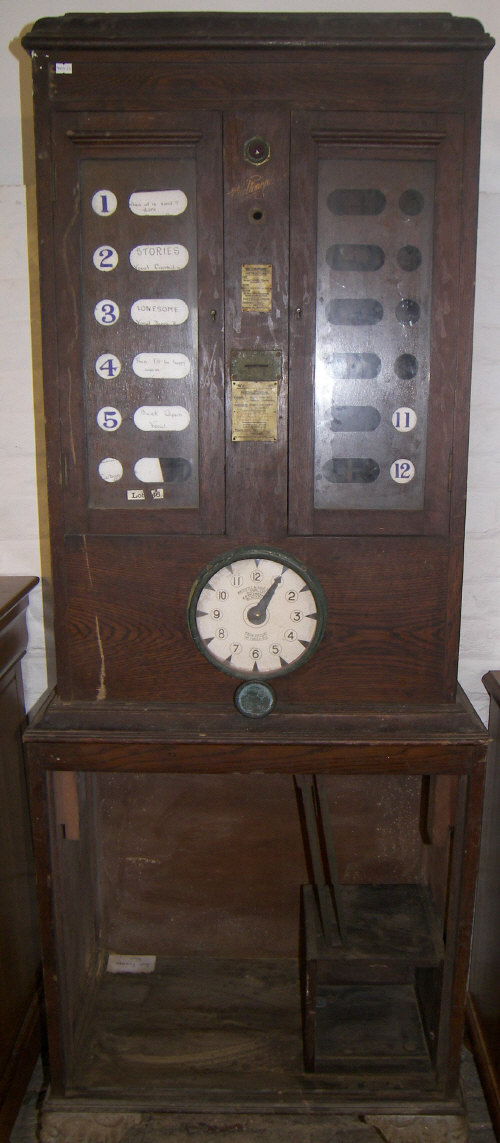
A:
{"x":483,"y":1001}
{"x":257,"y":266}
{"x":19,"y":937}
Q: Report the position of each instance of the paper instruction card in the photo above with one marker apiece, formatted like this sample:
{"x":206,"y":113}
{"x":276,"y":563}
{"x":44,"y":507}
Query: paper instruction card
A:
{"x":123,"y":962}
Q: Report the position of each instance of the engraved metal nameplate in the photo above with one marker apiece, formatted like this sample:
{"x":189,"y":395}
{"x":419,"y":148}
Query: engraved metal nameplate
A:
{"x":255,"y":377}
{"x":256,"y":288}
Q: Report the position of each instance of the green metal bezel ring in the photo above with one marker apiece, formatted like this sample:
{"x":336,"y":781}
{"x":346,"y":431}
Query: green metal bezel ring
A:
{"x":263,"y":553}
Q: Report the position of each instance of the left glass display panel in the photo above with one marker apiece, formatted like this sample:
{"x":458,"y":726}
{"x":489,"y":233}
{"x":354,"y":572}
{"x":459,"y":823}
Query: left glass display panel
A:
{"x":140,"y":332}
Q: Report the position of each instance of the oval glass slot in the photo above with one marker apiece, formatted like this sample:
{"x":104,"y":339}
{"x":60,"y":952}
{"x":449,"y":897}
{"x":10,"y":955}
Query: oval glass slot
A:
{"x":160,"y":469}
{"x":351,"y":470}
{"x":354,"y":311}
{"x":356,"y":200}
{"x":354,"y":419}
{"x":358,"y":365}
{"x":351,"y":257}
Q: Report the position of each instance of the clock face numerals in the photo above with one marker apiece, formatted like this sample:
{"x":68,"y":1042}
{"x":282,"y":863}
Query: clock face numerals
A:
{"x":257,"y":614}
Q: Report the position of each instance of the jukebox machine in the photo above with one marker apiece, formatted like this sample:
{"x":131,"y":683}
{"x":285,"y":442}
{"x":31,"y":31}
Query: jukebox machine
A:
{"x":257,"y":787}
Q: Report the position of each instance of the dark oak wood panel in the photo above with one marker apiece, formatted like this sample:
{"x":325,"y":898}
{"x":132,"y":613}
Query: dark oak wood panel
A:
{"x":397,"y":655}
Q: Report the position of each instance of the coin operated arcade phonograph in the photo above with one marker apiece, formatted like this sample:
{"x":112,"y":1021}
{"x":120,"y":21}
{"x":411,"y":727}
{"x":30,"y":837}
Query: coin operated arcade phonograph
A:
{"x":257,"y":786}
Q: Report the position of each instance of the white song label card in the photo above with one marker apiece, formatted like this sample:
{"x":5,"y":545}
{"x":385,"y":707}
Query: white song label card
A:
{"x":158,"y":202}
{"x":159,"y":311}
{"x":159,"y":257}
{"x":173,"y":366}
{"x":161,"y":418}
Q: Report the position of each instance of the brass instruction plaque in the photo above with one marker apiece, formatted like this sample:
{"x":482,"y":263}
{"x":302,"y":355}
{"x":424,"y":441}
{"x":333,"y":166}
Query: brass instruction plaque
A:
{"x":256,"y":288}
{"x":256,"y":364}
{"x":254,"y":410}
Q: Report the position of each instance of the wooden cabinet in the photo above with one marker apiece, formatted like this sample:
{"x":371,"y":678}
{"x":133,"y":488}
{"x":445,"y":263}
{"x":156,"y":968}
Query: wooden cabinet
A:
{"x":20,"y":967}
{"x":483,"y":1001}
{"x":256,"y":268}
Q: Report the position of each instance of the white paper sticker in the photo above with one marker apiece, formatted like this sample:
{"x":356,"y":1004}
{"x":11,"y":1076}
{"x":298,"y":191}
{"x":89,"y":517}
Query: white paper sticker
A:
{"x":104,"y":202}
{"x":105,"y":258}
{"x":161,"y":418}
{"x":402,"y":471}
{"x":136,"y":494}
{"x":404,"y":419}
{"x":64,"y":68}
{"x":159,"y":257}
{"x":108,"y":366}
{"x":148,"y":469}
{"x":159,"y":311}
{"x":158,"y":202}
{"x":121,"y":962}
{"x":106,"y":312}
{"x":109,"y":418}
{"x":161,"y":365}
{"x":110,"y":469}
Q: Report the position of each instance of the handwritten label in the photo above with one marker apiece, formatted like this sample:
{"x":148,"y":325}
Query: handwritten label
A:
{"x":158,"y":202}
{"x":160,"y":257}
{"x":110,"y":469}
{"x":161,"y":365}
{"x":161,"y":418}
{"x":159,"y":311}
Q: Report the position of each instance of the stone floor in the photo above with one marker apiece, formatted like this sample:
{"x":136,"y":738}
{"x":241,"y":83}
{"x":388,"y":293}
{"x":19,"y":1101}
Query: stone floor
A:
{"x":111,"y":1128}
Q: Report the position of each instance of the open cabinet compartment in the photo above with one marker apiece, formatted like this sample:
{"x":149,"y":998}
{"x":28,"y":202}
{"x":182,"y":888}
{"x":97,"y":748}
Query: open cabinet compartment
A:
{"x":179,"y":983}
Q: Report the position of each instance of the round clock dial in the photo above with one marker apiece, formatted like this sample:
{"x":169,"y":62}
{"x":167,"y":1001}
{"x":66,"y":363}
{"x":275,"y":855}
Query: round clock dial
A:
{"x":256,"y":613}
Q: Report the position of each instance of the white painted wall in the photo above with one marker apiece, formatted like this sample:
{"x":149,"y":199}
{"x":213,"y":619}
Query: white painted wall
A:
{"x":21,"y":461}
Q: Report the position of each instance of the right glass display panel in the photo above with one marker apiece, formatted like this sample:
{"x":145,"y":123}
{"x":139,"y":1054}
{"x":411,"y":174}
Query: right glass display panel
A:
{"x":373,"y":317}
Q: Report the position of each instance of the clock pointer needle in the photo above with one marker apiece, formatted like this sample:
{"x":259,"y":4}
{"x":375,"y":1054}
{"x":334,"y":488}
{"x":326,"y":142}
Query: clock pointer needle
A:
{"x":257,"y":614}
